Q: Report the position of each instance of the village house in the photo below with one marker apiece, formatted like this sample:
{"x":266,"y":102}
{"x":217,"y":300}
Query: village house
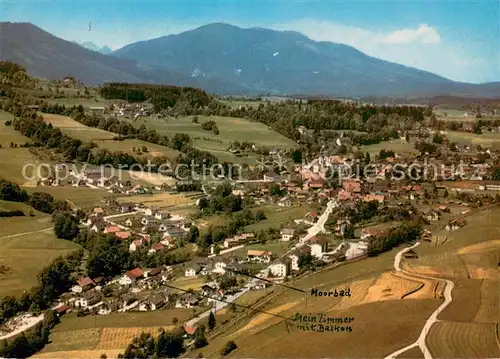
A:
{"x":319,"y":246}
{"x":157,"y":247}
{"x":150,"y":211}
{"x":112,"y":229}
{"x":259,"y":256}
{"x":372,"y":232}
{"x":129,"y":222}
{"x":380,"y":198}
{"x":316,"y":183}
{"x":87,"y":299}
{"x":352,"y":185}
{"x":149,"y":220}
{"x":168,"y":240}
{"x":231,"y":242}
{"x":432,"y":215}
{"x":287,"y":234}
{"x":162,"y":215}
{"x":220,"y":266}
{"x":107,"y":308}
{"x":123,"y":235}
{"x":271,"y":177}
{"x":127,"y":207}
{"x":98,"y":211}
{"x":456,"y":224}
{"x":285,"y":202}
{"x":296,"y":255}
{"x":344,"y":195}
{"x":152,"y":303}
{"x":192,"y":270}
{"x":135,"y":245}
{"x":131,"y":276}
{"x":83,"y":284}
{"x":187,"y":300}
{"x":238,"y":192}
{"x":280,"y":268}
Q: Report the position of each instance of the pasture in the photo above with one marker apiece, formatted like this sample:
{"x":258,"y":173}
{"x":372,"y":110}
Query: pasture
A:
{"x":161,"y":200}
{"x":7,"y":133}
{"x":84,"y":197}
{"x":104,"y":139}
{"x":230,"y":129}
{"x":396,"y":145}
{"x":108,"y":333}
{"x":463,"y":340}
{"x":27,"y":245}
{"x":486,"y":139}
{"x":277,"y":216}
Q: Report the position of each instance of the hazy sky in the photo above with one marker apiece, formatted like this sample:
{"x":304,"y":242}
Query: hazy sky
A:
{"x":456,"y":39}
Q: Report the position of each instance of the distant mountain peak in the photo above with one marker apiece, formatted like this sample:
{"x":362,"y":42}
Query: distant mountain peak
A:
{"x":89,"y":45}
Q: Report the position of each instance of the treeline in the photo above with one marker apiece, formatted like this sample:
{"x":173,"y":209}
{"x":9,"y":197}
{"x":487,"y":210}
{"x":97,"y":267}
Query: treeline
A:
{"x":27,"y":344}
{"x":162,"y":97}
{"x":13,"y":213}
{"x":40,"y":201}
{"x":110,"y":124}
{"x":408,"y":232}
{"x":108,"y":256}
{"x":53,"y":281}
{"x":166,"y":345}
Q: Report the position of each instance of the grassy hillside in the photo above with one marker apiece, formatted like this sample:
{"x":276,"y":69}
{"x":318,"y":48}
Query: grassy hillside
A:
{"x":230,"y":129}
{"x":104,"y":139}
{"x":27,"y":244}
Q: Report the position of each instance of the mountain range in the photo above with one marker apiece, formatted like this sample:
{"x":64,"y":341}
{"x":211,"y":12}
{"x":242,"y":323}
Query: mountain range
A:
{"x":226,"y":59}
{"x":106,"y":50}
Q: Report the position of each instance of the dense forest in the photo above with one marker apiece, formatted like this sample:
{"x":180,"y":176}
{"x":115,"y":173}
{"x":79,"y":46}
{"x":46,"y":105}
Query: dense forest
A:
{"x":162,"y":97}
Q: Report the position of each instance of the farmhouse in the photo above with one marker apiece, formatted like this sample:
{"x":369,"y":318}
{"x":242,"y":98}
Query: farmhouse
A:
{"x":287,"y":234}
{"x":296,"y":255}
{"x":271,"y":177}
{"x":187,"y":300}
{"x":127,"y":207}
{"x":157,"y":247}
{"x":152,"y":303}
{"x":131,"y":276}
{"x":83,"y":284}
{"x":259,"y":256}
{"x":220,"y":267}
{"x":112,"y":229}
{"x":192,"y":270}
{"x":135,"y":245}
{"x":280,"y":268}
{"x":372,"y":232}
{"x":123,"y":235}
{"x":319,"y":246}
{"x":88,"y":299}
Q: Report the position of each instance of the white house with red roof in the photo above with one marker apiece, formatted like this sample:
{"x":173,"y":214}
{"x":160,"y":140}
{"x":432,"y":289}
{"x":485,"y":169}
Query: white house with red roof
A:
{"x":131,"y":276}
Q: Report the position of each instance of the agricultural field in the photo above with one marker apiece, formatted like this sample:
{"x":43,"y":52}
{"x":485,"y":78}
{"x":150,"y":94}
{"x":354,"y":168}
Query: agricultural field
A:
{"x":463,"y":340}
{"x":470,"y":258}
{"x":27,"y":245}
{"x":107,"y":333}
{"x":277,"y":216}
{"x":397,"y":145}
{"x":161,"y":200}
{"x":104,"y":139}
{"x":84,"y":197}
{"x":12,"y":160}
{"x":486,"y":139}
{"x":230,"y":130}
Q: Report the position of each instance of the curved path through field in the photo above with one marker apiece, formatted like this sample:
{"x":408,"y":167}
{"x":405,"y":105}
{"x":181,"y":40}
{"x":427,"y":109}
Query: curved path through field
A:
{"x":420,"y":342}
{"x":25,"y":233}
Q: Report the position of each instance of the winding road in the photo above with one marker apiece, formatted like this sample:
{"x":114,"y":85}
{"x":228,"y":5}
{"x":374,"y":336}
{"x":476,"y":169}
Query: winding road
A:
{"x":420,"y":342}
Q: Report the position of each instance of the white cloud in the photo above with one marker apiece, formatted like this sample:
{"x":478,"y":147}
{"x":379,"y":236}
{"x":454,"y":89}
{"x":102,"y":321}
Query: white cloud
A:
{"x":423,"y":33}
{"x":421,"y":47}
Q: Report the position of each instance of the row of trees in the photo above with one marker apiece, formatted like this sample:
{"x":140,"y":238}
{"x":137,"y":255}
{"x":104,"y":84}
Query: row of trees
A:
{"x":409,"y":231}
{"x":53,"y":280}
